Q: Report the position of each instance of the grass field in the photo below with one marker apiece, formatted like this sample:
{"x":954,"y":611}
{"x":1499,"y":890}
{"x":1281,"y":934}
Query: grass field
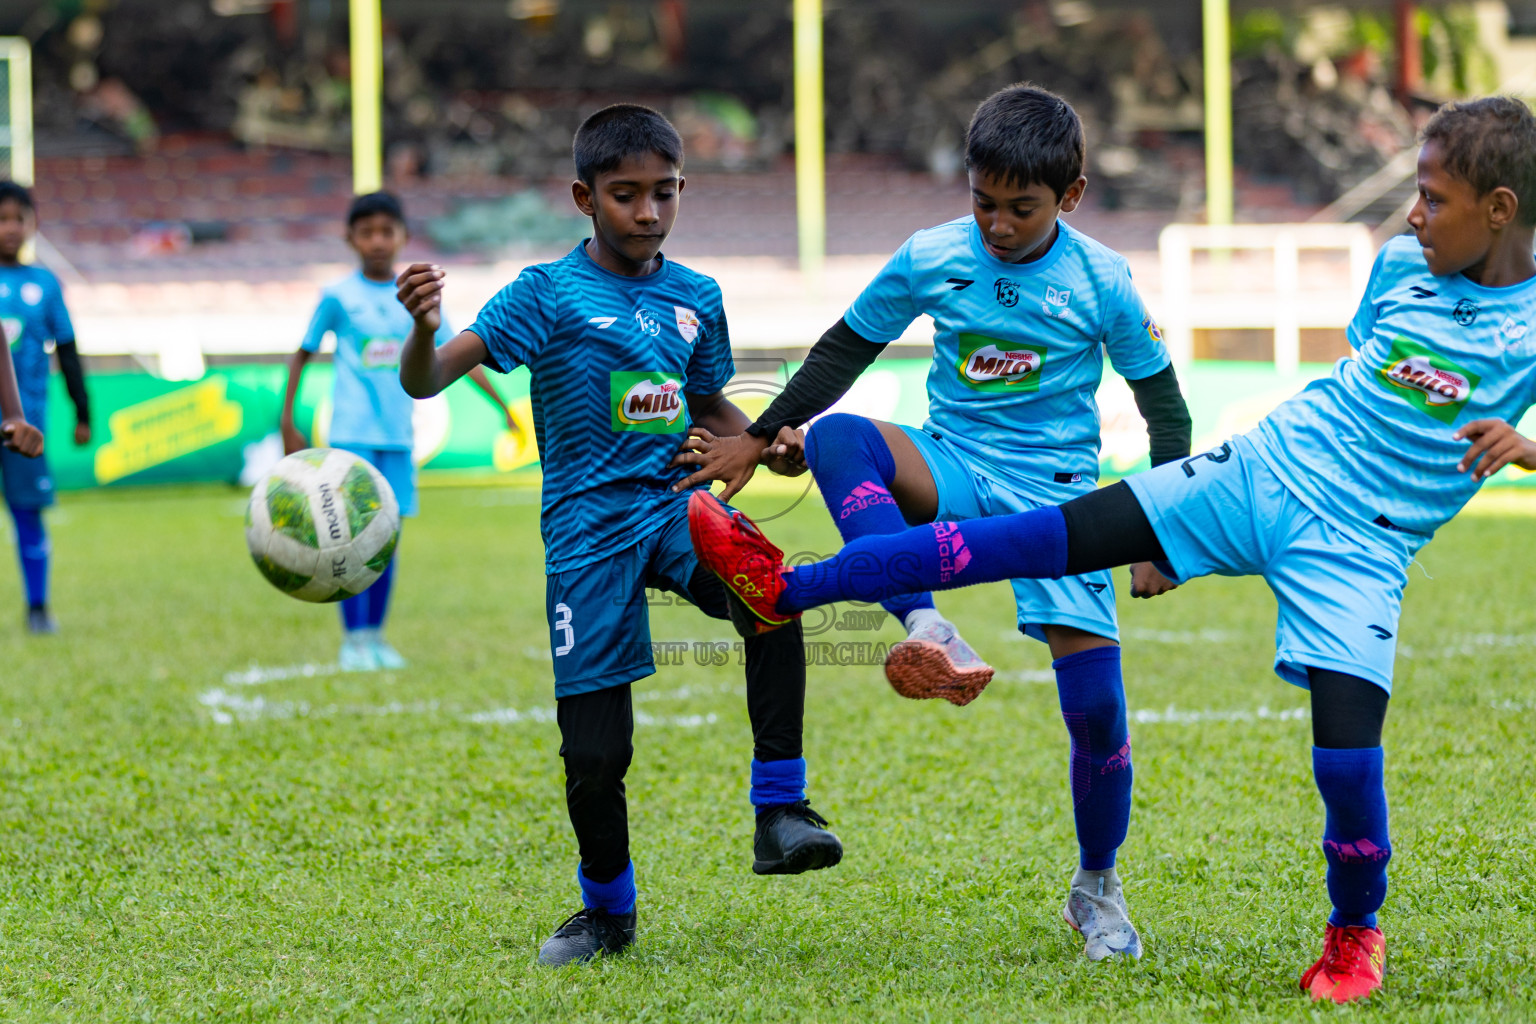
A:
{"x":195,"y":825}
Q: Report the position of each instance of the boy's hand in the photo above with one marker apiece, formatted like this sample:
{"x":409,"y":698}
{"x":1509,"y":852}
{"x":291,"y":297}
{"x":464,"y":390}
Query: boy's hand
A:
{"x":420,"y":290}
{"x":1146,"y":581}
{"x":20,"y":436}
{"x":82,"y":434}
{"x":731,"y":459}
{"x":786,"y":455}
{"x":1495,"y":444}
{"x":293,"y":439}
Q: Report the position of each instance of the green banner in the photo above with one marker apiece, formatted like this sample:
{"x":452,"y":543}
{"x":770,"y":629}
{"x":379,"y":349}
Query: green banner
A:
{"x":224,"y":426}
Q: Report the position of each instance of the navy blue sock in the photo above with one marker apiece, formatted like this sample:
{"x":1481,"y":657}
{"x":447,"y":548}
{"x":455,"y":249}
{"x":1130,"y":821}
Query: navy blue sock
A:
{"x":354,"y":612}
{"x":939,"y":556}
{"x":616,"y":897}
{"x":377,"y":597}
{"x":853,"y":468}
{"x":1093,"y":706}
{"x":32,"y":547}
{"x":1355,"y":841}
{"x":777,"y":782}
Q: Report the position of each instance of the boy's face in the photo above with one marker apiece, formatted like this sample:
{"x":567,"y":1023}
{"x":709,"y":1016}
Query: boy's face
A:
{"x":633,"y":206}
{"x":1450,"y":219}
{"x":16,"y":223}
{"x":377,"y":239}
{"x":1016,"y":220}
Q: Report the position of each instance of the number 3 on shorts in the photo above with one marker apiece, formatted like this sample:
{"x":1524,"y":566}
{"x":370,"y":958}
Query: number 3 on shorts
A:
{"x":563,"y":627}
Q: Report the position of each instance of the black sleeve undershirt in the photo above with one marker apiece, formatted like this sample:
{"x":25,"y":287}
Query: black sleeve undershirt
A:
{"x":1161,"y":404}
{"x":74,"y":379}
{"x":829,"y":370}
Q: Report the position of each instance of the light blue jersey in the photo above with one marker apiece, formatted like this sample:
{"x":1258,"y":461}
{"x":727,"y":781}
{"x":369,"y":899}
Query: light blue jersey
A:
{"x":1369,"y":448}
{"x":32,"y":314}
{"x":1018,"y":349}
{"x":369,"y":408}
{"x":612,"y":360}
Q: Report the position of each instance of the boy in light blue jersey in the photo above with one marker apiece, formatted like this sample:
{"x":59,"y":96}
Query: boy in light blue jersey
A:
{"x":1328,"y":499}
{"x":33,"y":318}
{"x":625,"y":349}
{"x":1025,"y":309}
{"x":370,"y":411}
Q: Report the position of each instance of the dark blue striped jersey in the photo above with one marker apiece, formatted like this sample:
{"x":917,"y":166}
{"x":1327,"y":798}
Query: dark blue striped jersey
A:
{"x":612,"y":360}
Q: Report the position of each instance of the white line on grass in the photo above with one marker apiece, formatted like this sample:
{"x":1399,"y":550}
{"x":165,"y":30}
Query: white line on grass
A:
{"x":225,"y":708}
{"x":1176,"y":716}
{"x":256,"y":675}
{"x":514,"y":716}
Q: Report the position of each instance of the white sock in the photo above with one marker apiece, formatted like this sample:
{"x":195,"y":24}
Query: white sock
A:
{"x":920,"y":617}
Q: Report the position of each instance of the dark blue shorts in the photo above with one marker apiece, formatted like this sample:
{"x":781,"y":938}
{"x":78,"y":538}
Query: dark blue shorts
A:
{"x":599,"y":623}
{"x":27,"y":482}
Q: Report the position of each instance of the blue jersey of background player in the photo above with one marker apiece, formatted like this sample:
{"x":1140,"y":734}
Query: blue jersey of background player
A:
{"x":33,"y":318}
{"x":626,"y":349}
{"x":1327,"y":499}
{"x":1024,"y":309}
{"x":370,"y":411}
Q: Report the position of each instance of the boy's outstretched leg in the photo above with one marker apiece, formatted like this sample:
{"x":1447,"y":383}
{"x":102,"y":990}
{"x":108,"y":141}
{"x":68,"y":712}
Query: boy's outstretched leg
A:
{"x":1347,"y":716}
{"x":1092,"y":697}
{"x":874,"y":481}
{"x":596,"y":741}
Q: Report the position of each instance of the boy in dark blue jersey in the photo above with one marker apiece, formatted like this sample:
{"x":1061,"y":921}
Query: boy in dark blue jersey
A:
{"x":32,"y":315}
{"x":626,"y":350}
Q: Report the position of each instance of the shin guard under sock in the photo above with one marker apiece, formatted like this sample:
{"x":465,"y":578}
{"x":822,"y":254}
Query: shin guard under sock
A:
{"x":32,"y":548}
{"x":1093,"y":705}
{"x":1355,"y":841}
{"x":617,"y":896}
{"x":377,"y":597}
{"x":777,"y":782}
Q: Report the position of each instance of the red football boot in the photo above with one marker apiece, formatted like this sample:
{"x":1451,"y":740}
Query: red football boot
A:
{"x":732,"y":547}
{"x":1353,"y":960}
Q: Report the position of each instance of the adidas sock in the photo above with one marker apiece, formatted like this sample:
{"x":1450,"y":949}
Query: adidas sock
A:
{"x":32,"y":548}
{"x":777,"y":782}
{"x":1092,"y":699}
{"x":1355,"y":841}
{"x":616,"y":896}
{"x":939,"y":556}
{"x":853,"y":468}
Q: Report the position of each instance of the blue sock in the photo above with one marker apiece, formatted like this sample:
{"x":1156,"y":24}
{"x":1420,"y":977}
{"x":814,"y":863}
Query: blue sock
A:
{"x":32,"y":547}
{"x":377,"y":597}
{"x":777,"y":782}
{"x":616,"y":897}
{"x":1093,"y":706}
{"x":354,"y":612}
{"x":939,"y":556}
{"x":853,"y":468}
{"x":1355,"y":841}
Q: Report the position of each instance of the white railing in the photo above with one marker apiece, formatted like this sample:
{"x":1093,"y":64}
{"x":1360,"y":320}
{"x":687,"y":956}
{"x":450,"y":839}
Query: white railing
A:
{"x":1283,"y":307}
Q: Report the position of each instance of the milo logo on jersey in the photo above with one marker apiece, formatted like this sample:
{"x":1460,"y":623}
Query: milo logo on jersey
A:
{"x":651,"y":403}
{"x":1428,"y":381}
{"x":987,"y":364}
{"x":381,"y":353}
{"x":11,"y":327}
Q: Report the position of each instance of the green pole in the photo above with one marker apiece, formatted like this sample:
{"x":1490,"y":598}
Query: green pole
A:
{"x":810,"y":137}
{"x":367,"y":101}
{"x":1218,"y":113}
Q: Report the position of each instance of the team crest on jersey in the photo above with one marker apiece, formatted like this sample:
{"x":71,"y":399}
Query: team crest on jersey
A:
{"x":1428,"y":381}
{"x":1512,"y":330}
{"x":648,"y":322}
{"x":1005,"y":367}
{"x":12,"y":328}
{"x":31,"y":293}
{"x":648,"y":402}
{"x":1150,"y":326}
{"x":1006,"y":291}
{"x":1055,"y":303}
{"x":687,"y":323}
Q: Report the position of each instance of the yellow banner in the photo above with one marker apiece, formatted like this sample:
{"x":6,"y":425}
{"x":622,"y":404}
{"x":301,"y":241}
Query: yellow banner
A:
{"x":166,"y":428}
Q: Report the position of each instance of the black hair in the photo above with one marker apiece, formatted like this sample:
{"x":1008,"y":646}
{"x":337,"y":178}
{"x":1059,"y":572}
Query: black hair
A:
{"x":372,"y":203}
{"x":17,"y":193}
{"x":1026,"y":135}
{"x":1490,"y":143}
{"x":623,"y":130}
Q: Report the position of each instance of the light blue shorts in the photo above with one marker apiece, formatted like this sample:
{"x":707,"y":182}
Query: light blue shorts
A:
{"x":1226,"y":513}
{"x":397,"y":468}
{"x":1085,"y":602}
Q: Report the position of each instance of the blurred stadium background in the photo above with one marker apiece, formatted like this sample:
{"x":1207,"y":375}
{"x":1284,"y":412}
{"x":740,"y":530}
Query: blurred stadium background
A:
{"x":192,"y":160}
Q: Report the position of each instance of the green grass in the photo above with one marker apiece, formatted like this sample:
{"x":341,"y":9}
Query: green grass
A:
{"x":180,"y":843}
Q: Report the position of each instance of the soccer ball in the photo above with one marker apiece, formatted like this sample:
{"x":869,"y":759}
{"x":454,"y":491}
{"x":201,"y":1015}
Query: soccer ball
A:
{"x":322,"y":525}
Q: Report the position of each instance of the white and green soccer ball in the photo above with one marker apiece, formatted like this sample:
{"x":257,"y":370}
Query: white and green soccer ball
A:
{"x":322,"y":525}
